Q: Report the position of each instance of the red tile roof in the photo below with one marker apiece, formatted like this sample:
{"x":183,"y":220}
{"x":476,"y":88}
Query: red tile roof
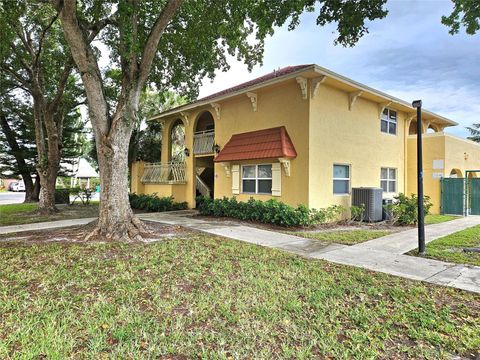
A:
{"x":274,"y":74}
{"x":261,"y":144}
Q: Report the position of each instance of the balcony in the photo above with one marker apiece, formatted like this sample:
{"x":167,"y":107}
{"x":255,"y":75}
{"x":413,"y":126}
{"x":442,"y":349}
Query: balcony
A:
{"x":166,"y":173}
{"x":203,"y":142}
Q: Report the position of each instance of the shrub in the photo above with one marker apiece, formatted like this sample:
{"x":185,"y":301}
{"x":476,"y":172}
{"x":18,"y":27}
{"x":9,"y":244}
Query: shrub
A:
{"x":62,"y":196}
{"x":155,"y":203}
{"x":404,"y":210}
{"x":269,"y":212}
{"x":357,"y":212}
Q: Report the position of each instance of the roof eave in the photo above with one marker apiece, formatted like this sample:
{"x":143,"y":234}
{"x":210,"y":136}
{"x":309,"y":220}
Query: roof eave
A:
{"x":200,"y":103}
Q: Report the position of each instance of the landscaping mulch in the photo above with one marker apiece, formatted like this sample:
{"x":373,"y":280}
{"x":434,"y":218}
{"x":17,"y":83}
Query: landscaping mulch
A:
{"x":77,"y":234}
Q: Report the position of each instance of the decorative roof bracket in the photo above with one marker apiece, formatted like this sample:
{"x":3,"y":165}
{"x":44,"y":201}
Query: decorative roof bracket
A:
{"x":186,"y":116}
{"x":217,"y":108}
{"x":303,"y":86}
{"x":382,"y":107}
{"x":316,"y":82}
{"x":286,"y":165}
{"x":226,"y":167}
{"x":352,"y":98}
{"x":253,"y":98}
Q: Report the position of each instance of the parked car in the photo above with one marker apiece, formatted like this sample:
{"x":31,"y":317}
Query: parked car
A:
{"x":17,"y":186}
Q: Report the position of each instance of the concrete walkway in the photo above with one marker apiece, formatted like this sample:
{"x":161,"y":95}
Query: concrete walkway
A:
{"x":382,"y":254}
{"x":44,"y":225}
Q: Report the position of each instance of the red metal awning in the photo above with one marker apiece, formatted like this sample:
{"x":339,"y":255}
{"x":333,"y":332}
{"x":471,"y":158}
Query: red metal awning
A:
{"x":261,"y":144}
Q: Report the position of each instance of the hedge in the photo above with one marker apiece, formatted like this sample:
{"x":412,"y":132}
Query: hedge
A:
{"x":62,"y":196}
{"x":269,"y":212}
{"x":155,"y":203}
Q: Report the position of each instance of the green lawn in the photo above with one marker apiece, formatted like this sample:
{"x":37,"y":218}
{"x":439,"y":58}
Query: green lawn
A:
{"x":347,"y":237}
{"x":450,"y":248}
{"x":212,"y":298}
{"x":436,"y":219}
{"x":15,"y":214}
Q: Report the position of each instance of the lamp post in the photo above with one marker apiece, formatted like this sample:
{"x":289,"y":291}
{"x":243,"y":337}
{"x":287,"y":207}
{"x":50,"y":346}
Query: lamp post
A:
{"x":421,"y":212}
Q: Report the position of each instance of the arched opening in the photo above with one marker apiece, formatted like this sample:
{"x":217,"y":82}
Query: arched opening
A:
{"x":456,"y":173}
{"x":203,"y":150}
{"x":177,"y":141}
{"x":472,"y":175}
{"x":205,"y":122}
{"x":412,"y":130}
{"x":432,"y":128}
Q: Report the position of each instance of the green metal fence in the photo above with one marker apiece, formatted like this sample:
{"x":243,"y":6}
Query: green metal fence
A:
{"x":452,"y":196}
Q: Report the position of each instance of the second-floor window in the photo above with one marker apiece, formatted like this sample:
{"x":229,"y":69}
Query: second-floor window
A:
{"x":388,"y":122}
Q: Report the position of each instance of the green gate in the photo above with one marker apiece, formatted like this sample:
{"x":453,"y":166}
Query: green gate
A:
{"x":474,"y":198}
{"x":452,"y":196}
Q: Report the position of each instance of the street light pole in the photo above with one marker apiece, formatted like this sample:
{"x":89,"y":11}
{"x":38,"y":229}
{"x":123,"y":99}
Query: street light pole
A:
{"x":421,"y":212}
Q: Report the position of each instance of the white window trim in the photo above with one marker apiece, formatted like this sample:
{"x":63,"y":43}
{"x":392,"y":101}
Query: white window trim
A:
{"x":388,"y":180}
{"x":349,"y":180}
{"x":256,"y":178}
{"x":388,"y":122}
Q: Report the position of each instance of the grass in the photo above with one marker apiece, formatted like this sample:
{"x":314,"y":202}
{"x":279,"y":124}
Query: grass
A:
{"x":211,"y":298}
{"x":347,"y":237}
{"x":16,"y":214}
{"x":450,"y":248}
{"x":436,"y":219}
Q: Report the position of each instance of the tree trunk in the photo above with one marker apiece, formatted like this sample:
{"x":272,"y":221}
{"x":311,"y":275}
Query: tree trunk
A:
{"x":30,"y":188}
{"x":46,"y":203}
{"x":116,"y":220}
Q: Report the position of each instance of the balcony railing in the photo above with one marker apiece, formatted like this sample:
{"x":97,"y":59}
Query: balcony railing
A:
{"x":203,"y":142}
{"x":166,"y":173}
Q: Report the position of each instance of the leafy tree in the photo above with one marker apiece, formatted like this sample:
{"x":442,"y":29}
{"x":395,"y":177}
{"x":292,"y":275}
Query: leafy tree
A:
{"x":17,"y":144}
{"x":172,"y":44}
{"x":475,"y":132}
{"x":35,"y":59}
{"x":466,"y":13}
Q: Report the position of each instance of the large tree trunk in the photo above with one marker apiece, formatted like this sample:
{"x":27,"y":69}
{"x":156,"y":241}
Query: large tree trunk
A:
{"x":46,"y":204}
{"x":116,"y":220}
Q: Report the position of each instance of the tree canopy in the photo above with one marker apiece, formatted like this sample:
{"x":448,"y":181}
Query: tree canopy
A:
{"x":465,"y":13}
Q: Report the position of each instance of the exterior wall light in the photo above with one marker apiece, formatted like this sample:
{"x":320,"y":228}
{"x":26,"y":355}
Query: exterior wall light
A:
{"x":186,"y":152}
{"x":216,"y":148}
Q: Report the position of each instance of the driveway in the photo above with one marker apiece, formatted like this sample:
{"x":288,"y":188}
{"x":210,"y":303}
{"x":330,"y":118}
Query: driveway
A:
{"x":10,"y":197}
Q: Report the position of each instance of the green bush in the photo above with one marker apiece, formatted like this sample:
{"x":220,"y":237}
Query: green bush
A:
{"x":269,"y":212}
{"x":356,"y":212}
{"x":155,"y":203}
{"x":62,"y":196}
{"x":404,"y":210}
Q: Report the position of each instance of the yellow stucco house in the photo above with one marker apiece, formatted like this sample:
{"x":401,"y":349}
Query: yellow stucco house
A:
{"x":303,"y":135}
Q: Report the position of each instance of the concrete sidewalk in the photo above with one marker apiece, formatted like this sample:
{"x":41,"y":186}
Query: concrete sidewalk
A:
{"x":404,"y":241}
{"x":44,"y":225}
{"x":377,"y":255}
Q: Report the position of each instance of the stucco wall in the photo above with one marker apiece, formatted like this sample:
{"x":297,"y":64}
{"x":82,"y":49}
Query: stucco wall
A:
{"x":342,"y":136}
{"x":456,"y":153}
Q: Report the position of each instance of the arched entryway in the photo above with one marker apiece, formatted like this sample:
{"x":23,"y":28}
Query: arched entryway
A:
{"x":456,"y":173}
{"x":203,"y":151}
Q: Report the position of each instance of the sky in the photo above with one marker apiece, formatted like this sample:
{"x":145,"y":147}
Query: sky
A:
{"x":409,"y":54}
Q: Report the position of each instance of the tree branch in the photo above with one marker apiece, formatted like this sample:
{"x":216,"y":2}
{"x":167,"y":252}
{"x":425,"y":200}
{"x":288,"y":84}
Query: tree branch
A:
{"x":154,"y":38}
{"x":67,"y":69}
{"x":42,"y":37}
{"x":87,"y":64}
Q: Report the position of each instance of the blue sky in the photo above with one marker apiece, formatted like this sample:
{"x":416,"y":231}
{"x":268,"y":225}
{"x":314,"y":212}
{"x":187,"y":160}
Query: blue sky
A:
{"x":409,"y":54}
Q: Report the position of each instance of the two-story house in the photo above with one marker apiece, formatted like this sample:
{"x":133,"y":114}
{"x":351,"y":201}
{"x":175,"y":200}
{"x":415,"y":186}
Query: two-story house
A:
{"x":303,"y":135}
